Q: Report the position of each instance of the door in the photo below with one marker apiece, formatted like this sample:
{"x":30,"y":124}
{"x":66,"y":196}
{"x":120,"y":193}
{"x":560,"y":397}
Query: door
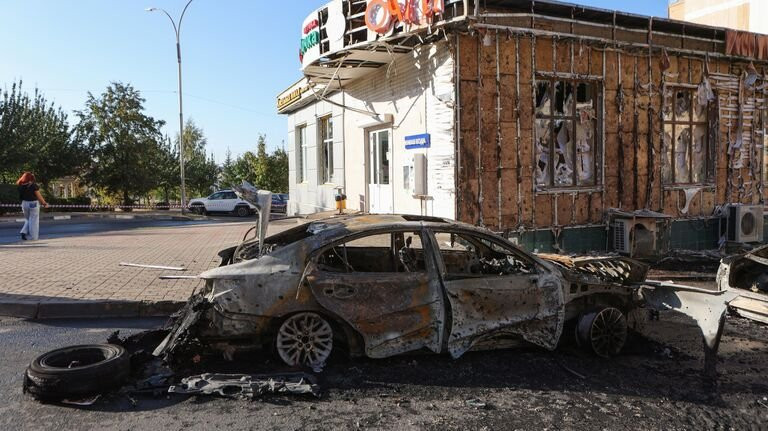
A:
{"x":496,"y":291}
{"x":382,"y":285}
{"x":380,"y":172}
{"x":214,"y":203}
{"x":229,"y":201}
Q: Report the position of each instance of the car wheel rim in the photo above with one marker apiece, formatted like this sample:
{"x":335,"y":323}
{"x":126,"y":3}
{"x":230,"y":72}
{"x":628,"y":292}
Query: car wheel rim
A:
{"x":608,"y":332}
{"x":305,"y":339}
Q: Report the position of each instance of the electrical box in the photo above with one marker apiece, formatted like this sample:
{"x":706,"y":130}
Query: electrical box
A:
{"x":418,"y":177}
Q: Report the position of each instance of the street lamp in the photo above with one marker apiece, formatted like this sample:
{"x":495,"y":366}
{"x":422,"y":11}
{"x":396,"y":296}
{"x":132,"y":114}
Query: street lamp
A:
{"x":177,"y":31}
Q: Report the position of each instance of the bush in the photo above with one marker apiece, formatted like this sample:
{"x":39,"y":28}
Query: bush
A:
{"x":9,"y":194}
{"x":80,"y":201}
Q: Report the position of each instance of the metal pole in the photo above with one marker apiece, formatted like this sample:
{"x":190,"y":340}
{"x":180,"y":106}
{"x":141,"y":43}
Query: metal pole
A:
{"x":177,"y":32}
{"x":181,"y":132}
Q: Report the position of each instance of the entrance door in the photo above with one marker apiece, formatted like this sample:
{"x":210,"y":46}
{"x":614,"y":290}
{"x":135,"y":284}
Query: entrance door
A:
{"x":380,"y":172}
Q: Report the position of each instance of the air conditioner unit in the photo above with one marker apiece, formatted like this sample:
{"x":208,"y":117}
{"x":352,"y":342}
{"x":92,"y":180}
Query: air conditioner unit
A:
{"x":745,"y":223}
{"x":635,"y":237}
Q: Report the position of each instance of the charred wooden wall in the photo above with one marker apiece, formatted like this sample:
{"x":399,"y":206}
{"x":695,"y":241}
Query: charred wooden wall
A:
{"x":495,"y":145}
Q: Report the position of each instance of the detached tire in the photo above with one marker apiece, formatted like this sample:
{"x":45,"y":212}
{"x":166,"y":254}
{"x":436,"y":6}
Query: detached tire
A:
{"x":77,"y":371}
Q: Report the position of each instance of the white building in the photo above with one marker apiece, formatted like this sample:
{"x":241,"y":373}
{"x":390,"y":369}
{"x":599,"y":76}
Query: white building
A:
{"x":747,"y":15}
{"x":361,"y":137}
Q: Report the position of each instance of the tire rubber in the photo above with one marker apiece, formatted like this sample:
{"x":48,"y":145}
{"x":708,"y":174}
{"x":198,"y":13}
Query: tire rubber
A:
{"x":47,"y":378}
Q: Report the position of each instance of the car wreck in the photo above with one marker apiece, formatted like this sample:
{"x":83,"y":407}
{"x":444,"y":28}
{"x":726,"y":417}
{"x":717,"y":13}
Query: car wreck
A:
{"x":747,"y":276}
{"x":384,"y":285}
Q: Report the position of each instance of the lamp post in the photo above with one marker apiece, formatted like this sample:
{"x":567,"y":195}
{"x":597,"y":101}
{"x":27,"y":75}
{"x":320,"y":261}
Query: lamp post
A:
{"x":177,"y":32}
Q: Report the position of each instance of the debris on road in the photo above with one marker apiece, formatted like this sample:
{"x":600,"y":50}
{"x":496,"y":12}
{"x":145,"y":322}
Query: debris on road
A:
{"x":747,"y":276}
{"x":247,"y":386}
{"x":165,"y":268}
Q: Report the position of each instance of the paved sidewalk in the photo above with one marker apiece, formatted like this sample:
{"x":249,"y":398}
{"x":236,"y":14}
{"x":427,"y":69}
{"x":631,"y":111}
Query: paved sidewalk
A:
{"x":81,"y":276}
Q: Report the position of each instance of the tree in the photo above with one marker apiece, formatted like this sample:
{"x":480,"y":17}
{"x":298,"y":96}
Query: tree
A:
{"x":265,"y":171}
{"x":168,"y":172}
{"x":201,"y":170}
{"x":35,"y":136}
{"x":125,"y":143}
{"x":228,"y":177}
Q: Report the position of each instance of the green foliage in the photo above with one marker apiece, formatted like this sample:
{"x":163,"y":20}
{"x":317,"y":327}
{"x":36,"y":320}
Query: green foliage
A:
{"x":200,"y":170}
{"x":265,"y":171}
{"x":125,"y":144}
{"x":79,"y":201}
{"x":9,"y":194}
{"x":35,"y":136}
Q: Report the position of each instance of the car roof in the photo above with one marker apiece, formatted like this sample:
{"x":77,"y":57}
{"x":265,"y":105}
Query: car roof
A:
{"x":335,"y":227}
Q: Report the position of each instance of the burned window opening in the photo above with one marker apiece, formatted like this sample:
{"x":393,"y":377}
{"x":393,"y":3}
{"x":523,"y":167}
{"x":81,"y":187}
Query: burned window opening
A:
{"x":392,"y":252}
{"x":565,"y":133}
{"x":466,"y":256}
{"x":686,"y":155}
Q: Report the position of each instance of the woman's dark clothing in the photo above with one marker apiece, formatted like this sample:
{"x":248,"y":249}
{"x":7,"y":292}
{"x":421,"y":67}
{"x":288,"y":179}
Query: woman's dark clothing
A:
{"x":27,"y":192}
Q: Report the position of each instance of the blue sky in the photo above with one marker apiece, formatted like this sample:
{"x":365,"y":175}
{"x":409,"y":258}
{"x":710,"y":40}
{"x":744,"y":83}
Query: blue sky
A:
{"x":237,"y":55}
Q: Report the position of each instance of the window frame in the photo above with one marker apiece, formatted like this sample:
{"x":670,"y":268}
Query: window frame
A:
{"x":513,"y":249}
{"x":325,"y":149}
{"x":552,"y":117}
{"x":691,"y":123}
{"x":301,"y":154}
{"x":423,"y":235}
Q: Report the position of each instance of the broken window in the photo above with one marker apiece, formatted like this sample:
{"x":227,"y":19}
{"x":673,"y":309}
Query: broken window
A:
{"x":566,"y":130}
{"x":470,"y":256}
{"x":383,"y":252}
{"x":686,"y":155}
{"x":763,"y":142}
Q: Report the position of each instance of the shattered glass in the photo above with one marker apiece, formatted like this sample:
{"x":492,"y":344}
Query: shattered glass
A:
{"x":585,"y":134}
{"x":543,"y":99}
{"x":683,"y":105}
{"x":666,"y":155}
{"x":682,"y":155}
{"x":564,"y":152}
{"x":699,"y":154}
{"x":668,"y":105}
{"x":542,"y":152}
{"x":564,"y":99}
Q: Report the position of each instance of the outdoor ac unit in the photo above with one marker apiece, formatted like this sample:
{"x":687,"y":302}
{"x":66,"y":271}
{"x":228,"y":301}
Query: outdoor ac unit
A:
{"x":745,"y":223}
{"x":635,"y":237}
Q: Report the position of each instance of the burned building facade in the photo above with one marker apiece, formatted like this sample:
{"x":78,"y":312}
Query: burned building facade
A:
{"x":553,"y":123}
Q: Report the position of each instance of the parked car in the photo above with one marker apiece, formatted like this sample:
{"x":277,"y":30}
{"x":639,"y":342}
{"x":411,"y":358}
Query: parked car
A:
{"x":279,"y":203}
{"x":382,"y":285}
{"x":224,"y":201}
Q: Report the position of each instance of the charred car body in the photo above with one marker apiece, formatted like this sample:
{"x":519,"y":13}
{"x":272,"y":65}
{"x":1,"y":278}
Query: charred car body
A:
{"x":383,"y":285}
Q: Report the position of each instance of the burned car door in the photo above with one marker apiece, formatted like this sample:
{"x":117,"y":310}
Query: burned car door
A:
{"x":496,"y":292}
{"x":382,"y":285}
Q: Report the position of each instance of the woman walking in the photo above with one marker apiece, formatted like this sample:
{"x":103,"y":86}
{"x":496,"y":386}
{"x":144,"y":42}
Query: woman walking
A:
{"x":31,"y":199}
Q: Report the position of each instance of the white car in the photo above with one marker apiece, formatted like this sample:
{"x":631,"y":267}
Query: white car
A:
{"x":224,"y":201}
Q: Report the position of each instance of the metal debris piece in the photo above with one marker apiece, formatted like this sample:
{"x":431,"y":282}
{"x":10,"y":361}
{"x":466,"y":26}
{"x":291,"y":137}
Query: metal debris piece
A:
{"x":179,"y":277}
{"x":166,"y":268}
{"x":476,"y":404}
{"x":247,"y":386}
{"x":85,"y":402}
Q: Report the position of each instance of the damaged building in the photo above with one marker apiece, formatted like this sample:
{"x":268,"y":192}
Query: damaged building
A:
{"x":567,"y":128}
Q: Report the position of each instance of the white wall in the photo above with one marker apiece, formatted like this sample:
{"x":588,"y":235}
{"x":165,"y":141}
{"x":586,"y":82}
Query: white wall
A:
{"x":417,"y":90}
{"x":310,"y":196}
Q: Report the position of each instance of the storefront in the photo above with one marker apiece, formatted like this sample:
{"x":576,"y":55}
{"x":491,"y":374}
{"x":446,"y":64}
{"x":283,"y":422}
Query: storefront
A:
{"x":540,"y":120}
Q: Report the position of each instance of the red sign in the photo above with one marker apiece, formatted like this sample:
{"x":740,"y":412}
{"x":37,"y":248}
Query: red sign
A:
{"x":381,"y":15}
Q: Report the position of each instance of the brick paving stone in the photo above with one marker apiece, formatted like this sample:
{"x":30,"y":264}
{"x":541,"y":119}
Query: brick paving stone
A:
{"x":87,"y":267}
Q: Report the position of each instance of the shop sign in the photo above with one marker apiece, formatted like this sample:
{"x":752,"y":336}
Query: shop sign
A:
{"x":382,"y":15}
{"x":417,"y":141}
{"x":310,"y":38}
{"x":291,"y":98}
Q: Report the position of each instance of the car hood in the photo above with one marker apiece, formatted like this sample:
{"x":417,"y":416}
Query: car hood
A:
{"x":610,"y":269}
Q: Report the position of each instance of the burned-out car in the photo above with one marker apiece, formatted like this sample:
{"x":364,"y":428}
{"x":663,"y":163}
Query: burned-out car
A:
{"x":382,"y":285}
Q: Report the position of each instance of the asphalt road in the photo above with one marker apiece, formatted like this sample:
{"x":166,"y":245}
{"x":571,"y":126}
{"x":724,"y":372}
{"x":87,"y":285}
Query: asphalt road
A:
{"x":9,"y":232}
{"x":655,"y":384}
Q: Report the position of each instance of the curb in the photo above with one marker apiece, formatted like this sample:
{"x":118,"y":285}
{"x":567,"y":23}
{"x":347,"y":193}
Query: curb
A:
{"x":72,"y":309}
{"x":109,"y":216}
